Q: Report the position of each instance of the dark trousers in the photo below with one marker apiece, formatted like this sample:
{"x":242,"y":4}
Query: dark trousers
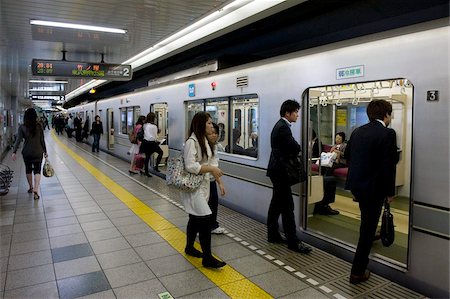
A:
{"x":370,"y":214}
{"x":150,"y":148}
{"x":96,"y":143}
{"x":213,"y":203}
{"x":200,"y":225}
{"x":329,"y":191}
{"x":78,"y":134}
{"x":282,"y":204}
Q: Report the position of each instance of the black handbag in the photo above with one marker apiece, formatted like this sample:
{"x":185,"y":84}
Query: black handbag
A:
{"x":387,"y":233}
{"x":294,"y":170}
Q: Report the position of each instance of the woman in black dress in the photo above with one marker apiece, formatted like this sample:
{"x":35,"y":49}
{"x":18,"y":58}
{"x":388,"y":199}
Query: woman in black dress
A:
{"x":33,"y":149}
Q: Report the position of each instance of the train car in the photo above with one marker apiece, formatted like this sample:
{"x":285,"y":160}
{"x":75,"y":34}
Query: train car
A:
{"x":408,"y":67}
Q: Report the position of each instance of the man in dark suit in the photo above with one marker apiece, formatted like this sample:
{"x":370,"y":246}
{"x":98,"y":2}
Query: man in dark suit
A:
{"x":284,"y":147}
{"x":372,"y":152}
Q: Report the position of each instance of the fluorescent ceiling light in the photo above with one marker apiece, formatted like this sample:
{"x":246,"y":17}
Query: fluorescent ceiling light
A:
{"x":50,"y":82}
{"x":77,"y":26}
{"x":235,"y":12}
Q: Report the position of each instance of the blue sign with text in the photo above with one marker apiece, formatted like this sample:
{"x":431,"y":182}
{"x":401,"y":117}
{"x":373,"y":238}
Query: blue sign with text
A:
{"x":192,"y":90}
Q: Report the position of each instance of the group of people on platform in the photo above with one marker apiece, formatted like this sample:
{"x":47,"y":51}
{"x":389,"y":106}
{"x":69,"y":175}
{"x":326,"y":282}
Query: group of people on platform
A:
{"x":145,"y":143}
{"x":370,"y":154}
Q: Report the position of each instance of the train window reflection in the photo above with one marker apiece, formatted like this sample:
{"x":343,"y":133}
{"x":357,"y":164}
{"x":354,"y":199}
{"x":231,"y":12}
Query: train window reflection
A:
{"x":123,"y":120}
{"x":128,"y":118}
{"x":238,"y":121}
{"x":161,"y":111}
{"x":334,"y":112}
{"x":244,"y":134}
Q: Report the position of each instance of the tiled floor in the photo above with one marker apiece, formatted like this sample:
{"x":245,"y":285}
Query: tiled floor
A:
{"x":81,"y":240}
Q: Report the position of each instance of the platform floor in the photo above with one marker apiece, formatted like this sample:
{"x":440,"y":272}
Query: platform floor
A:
{"x":97,"y":232}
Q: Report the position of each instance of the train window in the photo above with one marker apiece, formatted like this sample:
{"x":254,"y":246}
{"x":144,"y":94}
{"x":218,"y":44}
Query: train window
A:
{"x":128,"y":118}
{"x":123,"y":120}
{"x":218,"y":109}
{"x":192,"y":108}
{"x":238,"y":121}
{"x":161,"y":111}
{"x":339,"y":110}
{"x":244,"y":133}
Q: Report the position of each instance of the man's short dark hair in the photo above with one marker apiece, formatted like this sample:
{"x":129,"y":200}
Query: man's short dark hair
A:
{"x":289,"y":106}
{"x":377,"y":109}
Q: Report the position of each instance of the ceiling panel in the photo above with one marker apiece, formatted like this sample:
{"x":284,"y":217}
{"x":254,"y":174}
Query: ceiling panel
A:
{"x":147,"y":22}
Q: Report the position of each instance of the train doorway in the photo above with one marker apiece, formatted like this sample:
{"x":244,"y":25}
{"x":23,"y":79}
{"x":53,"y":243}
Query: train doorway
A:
{"x":330,"y":114}
{"x":110,"y":128}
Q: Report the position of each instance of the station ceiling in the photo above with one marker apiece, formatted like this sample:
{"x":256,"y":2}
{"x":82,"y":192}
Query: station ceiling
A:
{"x":291,"y":26}
{"x":147,"y":22}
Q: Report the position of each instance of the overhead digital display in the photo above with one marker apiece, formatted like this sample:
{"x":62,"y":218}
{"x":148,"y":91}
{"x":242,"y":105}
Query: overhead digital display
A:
{"x":61,"y":68}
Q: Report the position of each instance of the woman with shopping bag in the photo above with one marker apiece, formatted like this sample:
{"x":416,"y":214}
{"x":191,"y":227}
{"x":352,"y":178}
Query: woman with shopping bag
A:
{"x":33,"y":149}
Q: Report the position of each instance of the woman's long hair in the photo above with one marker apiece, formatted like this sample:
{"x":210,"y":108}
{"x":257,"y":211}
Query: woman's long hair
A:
{"x":198,"y":127}
{"x":30,"y":121}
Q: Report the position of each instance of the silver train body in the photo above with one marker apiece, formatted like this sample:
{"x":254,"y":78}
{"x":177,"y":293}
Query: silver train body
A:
{"x":419,"y":54}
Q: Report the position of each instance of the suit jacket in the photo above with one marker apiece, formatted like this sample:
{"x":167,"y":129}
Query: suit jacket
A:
{"x":372,"y":156}
{"x":284,"y":146}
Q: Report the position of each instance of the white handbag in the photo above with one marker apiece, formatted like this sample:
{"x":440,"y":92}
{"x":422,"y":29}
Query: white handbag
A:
{"x":180,"y":178}
{"x":327,"y":159}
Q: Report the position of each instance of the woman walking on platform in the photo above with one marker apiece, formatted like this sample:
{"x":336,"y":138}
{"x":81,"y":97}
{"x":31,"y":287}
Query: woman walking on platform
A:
{"x":197,"y":156}
{"x":96,"y":132}
{"x":33,"y":149}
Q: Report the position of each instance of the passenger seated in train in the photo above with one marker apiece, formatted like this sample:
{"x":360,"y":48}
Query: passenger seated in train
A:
{"x":221,"y":132}
{"x":235,"y":147}
{"x":329,"y":184}
{"x":339,"y":149}
{"x":253,"y":150}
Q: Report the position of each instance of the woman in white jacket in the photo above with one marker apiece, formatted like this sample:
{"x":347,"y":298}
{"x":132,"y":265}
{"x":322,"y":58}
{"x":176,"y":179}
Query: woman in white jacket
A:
{"x":197,"y":158}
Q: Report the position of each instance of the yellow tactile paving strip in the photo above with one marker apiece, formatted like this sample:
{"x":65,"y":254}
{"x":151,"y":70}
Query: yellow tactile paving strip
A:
{"x":233,"y":283}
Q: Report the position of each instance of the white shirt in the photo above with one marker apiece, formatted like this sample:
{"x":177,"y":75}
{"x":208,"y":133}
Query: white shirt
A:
{"x":150,"y":132}
{"x":384,"y":125}
{"x":196,"y":202}
{"x":288,"y":122}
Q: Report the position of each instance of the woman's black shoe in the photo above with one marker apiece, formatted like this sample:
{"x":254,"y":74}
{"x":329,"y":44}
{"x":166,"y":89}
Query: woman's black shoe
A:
{"x":36,"y":196}
{"x":193,"y":252}
{"x":213,"y":263}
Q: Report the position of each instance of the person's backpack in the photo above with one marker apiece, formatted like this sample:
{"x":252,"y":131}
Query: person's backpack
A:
{"x":132,"y":136}
{"x":140,"y":134}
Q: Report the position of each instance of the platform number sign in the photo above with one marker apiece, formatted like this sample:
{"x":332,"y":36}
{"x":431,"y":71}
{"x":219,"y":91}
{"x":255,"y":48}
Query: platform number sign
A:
{"x":433,"y":95}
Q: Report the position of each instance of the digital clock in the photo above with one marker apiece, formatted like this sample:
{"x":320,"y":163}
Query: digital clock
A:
{"x":61,"y":68}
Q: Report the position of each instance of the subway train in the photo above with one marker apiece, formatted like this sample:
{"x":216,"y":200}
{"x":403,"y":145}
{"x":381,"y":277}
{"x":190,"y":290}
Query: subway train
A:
{"x":333,"y":83}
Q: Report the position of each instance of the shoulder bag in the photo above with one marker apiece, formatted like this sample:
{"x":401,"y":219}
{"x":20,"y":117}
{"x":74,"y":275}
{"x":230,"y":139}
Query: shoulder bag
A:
{"x":294,"y":169}
{"x":387,"y":233}
{"x":177,"y":175}
{"x":48,"y":170}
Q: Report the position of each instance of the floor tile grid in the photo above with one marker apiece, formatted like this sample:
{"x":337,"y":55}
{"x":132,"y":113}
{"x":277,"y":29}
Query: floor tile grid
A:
{"x":322,"y":288}
{"x":221,"y":278}
{"x":174,"y":202}
{"x":26,"y":270}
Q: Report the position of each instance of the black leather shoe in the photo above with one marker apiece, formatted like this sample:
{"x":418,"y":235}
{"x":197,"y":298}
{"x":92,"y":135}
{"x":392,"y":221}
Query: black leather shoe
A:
{"x":300,"y":248}
{"x":193,"y":252}
{"x":213,"y":263}
{"x":355,"y":279}
{"x":329,"y":211}
{"x":325,"y":210}
{"x":278,"y":239}
{"x":149,"y":175}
